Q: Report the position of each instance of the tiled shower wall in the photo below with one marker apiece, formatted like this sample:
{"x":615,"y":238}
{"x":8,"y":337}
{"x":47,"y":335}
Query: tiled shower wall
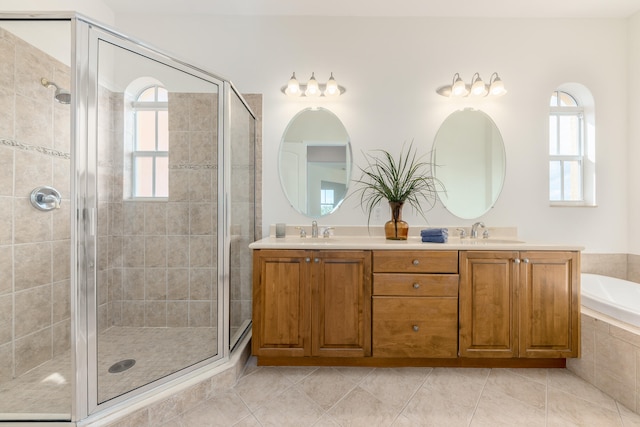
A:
{"x":34,"y":245}
{"x":159,"y":258}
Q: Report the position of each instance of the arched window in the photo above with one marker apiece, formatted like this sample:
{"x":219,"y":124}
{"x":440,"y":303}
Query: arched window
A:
{"x":571,"y":149}
{"x":150,"y":155}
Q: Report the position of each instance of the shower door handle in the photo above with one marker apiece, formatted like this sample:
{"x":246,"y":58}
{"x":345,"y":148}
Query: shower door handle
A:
{"x":90,"y":216}
{"x":92,"y":222}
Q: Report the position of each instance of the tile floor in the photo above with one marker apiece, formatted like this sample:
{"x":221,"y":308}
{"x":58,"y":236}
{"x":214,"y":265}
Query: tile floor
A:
{"x":309,"y":396}
{"x":158,"y":352}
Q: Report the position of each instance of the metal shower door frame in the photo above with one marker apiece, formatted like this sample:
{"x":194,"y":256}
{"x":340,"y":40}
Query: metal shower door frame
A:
{"x":84,"y":181}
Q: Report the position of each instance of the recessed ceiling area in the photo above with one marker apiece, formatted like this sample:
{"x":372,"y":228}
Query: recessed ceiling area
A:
{"x":387,"y":8}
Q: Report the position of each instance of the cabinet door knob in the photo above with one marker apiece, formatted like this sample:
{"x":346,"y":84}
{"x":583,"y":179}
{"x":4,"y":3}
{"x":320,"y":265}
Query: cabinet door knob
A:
{"x":516,"y":261}
{"x":415,"y":328}
{"x":316,"y":260}
{"x":307,"y":259}
{"x":526,"y":260}
{"x":416,"y":262}
{"x":416,"y":285}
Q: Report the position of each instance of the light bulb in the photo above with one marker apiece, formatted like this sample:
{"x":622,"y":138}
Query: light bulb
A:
{"x":497,"y":87}
{"x":293,"y":87}
{"x":478,"y":87}
{"x":332,"y":88}
{"x":458,"y":88}
{"x":313,"y":89}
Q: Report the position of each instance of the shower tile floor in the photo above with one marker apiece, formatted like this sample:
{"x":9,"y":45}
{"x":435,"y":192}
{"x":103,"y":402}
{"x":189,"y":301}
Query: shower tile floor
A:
{"x":399,"y":397}
{"x":157,"y":351}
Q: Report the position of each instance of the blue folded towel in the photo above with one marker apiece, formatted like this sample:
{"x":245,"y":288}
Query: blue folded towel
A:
{"x":435,"y":239}
{"x":434,"y":232}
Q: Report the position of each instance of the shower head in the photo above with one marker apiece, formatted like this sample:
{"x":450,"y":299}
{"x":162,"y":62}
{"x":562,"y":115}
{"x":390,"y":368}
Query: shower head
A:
{"x":62,"y":96}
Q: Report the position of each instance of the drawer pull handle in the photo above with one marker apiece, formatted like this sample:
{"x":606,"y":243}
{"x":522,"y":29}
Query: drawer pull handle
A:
{"x":416,"y":262}
{"x":526,"y":260}
{"x":316,"y":260}
{"x":415,"y":328}
{"x":416,"y":286}
{"x":516,"y":261}
{"x":307,"y":259}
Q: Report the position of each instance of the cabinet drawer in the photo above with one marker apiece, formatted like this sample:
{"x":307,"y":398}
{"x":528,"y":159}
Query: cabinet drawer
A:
{"x":415,"y":285}
{"x":415,"y":261}
{"x":415,"y":327}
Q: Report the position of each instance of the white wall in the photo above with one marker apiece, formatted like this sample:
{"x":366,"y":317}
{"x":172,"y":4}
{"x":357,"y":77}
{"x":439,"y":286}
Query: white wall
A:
{"x":634,"y":134}
{"x":391,"y":68}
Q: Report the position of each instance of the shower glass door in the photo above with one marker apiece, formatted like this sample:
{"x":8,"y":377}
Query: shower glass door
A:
{"x":157,"y":292}
{"x":35,"y":246}
{"x":242,"y":218}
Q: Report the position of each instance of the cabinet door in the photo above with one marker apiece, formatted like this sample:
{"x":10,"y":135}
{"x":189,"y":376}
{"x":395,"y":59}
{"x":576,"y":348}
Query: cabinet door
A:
{"x":549,"y":304}
{"x":281,"y":309}
{"x":341,"y":302}
{"x":488,"y":308}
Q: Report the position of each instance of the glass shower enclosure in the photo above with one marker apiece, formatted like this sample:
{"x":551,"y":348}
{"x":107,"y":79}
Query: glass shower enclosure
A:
{"x":127,"y":184}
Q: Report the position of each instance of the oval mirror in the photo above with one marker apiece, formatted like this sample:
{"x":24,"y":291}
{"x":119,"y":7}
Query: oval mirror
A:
{"x":315,"y":162}
{"x":470,"y":157}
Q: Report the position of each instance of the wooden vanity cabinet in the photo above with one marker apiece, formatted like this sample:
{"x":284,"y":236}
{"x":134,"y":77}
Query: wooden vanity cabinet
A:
{"x":415,"y":304}
{"x":519,"y":304}
{"x":311,"y":303}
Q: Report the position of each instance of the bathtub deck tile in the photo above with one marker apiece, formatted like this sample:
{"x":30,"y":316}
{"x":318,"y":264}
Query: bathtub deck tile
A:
{"x":629,"y":418}
{"x":587,"y":322}
{"x":637,"y":408}
{"x":617,"y":358}
{"x":620,"y":391}
{"x":601,"y":326}
{"x":584,"y":368}
{"x":625,"y":335}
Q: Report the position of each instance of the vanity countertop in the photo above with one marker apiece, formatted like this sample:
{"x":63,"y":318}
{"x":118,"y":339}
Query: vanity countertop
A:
{"x":412,"y":243}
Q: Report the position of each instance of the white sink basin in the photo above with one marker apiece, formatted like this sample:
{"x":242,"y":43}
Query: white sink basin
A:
{"x":306,"y":240}
{"x":490,"y":241}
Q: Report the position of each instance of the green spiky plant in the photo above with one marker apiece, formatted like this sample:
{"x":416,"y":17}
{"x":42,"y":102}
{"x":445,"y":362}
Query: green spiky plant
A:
{"x":408,"y":179}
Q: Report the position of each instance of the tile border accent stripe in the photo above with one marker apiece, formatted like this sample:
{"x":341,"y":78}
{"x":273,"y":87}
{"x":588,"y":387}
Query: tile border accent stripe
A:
{"x":42,"y":150}
{"x":192,"y":166}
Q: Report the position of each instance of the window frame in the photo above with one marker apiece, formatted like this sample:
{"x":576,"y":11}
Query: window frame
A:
{"x":155,"y":106}
{"x":581,"y":158}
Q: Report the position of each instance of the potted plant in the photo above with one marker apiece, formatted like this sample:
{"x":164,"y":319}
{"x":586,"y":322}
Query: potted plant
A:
{"x":408,"y":179}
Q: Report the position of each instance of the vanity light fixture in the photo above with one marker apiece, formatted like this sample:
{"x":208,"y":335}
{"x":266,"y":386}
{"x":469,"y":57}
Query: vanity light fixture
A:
{"x":312,"y":88}
{"x":477,"y":87}
{"x":496,"y":87}
{"x":458,"y":88}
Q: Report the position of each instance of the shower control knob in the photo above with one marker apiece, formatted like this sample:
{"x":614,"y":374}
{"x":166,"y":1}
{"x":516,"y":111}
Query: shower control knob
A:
{"x":45,"y":198}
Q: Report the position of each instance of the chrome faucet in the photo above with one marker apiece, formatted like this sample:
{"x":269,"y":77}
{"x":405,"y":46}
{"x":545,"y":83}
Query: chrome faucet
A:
{"x":303,"y":233}
{"x":474,"y":229}
{"x":314,"y":229}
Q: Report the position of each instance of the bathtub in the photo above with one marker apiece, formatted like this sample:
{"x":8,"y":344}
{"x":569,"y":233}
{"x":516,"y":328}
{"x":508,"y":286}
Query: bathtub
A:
{"x":613,"y":297}
{"x":610,"y":338}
